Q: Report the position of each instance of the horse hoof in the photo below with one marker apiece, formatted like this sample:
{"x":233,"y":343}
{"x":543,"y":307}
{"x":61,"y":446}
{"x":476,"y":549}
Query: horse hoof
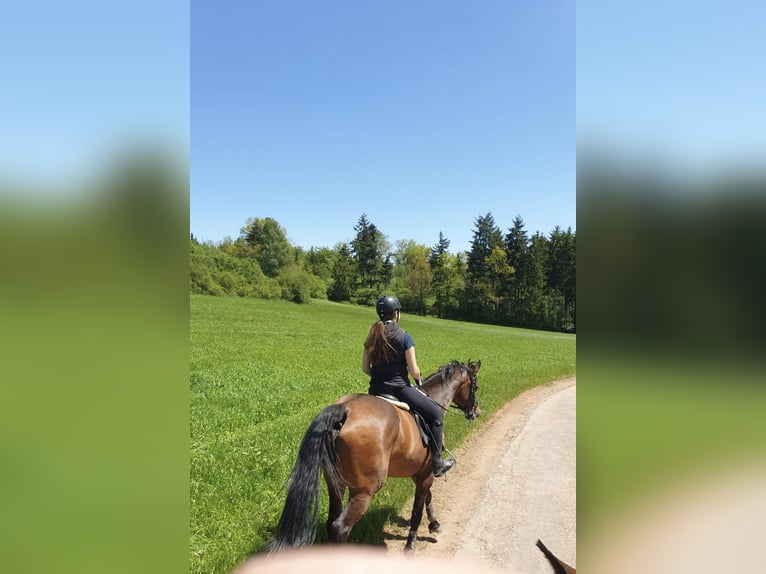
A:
{"x":434,"y":527}
{"x":410,"y":545}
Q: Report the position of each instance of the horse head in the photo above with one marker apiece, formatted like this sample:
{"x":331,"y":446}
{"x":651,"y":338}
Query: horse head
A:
{"x":455,"y":383}
{"x":465,"y":394}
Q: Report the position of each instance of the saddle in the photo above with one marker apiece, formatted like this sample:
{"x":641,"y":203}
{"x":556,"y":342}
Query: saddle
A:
{"x":419,"y":421}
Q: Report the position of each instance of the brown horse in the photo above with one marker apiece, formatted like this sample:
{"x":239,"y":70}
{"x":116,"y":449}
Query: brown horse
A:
{"x":357,"y":442}
{"x":558,"y":565}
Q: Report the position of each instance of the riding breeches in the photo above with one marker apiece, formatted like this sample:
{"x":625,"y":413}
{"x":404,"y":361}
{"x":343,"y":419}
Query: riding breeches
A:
{"x":420,"y":402}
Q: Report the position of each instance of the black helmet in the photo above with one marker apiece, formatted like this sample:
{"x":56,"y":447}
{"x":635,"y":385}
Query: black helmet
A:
{"x":386,"y":305}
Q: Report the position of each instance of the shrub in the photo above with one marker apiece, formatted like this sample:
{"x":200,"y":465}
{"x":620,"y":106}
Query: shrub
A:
{"x":295,"y":283}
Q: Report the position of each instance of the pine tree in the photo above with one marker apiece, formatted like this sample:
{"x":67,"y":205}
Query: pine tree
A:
{"x":517,"y":249}
{"x":369,"y":248}
{"x":442,"y":280}
{"x":560,"y":276}
{"x":343,"y":275}
{"x":481,"y":298}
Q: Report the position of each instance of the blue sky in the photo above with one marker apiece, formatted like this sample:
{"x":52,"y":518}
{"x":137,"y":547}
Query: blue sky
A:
{"x":82,"y":79}
{"x":675,"y":85}
{"x":423,"y":115}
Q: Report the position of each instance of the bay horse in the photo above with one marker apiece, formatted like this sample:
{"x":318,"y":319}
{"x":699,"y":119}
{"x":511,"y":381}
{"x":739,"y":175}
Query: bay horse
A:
{"x":558,"y":565}
{"x":357,"y":442}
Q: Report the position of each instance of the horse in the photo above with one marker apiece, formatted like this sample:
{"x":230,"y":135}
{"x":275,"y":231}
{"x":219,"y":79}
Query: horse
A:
{"x":558,"y":565}
{"x":358,"y":442}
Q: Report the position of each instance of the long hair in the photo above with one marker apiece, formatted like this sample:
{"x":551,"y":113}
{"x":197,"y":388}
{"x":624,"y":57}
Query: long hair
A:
{"x":379,"y":348}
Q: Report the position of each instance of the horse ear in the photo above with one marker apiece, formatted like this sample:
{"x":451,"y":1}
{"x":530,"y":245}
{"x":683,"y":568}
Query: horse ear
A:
{"x":476,"y":366}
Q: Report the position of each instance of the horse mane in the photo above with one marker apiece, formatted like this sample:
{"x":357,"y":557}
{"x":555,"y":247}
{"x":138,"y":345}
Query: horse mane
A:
{"x":444,"y":378}
{"x":446,"y":371}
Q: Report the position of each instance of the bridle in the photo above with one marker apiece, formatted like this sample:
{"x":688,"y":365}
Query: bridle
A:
{"x":473,"y":403}
{"x":470,"y":414}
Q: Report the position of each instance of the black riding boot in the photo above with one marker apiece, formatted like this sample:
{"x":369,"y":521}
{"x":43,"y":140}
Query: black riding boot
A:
{"x":440,"y":466}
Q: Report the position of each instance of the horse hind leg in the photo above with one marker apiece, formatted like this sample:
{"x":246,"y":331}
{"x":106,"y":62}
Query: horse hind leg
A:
{"x":358,"y":503}
{"x":336,"y":508}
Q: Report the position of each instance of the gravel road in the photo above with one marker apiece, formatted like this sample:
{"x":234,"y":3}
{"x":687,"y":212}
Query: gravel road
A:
{"x":514,"y":483}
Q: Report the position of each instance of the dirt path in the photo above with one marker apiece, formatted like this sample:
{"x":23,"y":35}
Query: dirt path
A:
{"x":514,"y":483}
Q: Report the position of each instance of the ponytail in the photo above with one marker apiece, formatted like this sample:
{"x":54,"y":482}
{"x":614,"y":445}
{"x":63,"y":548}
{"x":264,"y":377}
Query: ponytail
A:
{"x":379,"y":349}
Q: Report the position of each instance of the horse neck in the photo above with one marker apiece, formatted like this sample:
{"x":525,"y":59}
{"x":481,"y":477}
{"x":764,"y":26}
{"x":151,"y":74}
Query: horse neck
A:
{"x":440,"y":390}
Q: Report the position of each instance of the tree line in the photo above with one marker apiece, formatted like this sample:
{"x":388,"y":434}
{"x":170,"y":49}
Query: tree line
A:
{"x":506,"y":278}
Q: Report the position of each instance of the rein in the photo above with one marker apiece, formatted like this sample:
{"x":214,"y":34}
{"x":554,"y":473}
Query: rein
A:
{"x":471,"y":391}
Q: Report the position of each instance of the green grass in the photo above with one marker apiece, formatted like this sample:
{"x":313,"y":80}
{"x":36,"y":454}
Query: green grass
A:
{"x":261,"y":370}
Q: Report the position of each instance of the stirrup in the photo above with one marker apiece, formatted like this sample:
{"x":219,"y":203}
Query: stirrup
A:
{"x":446,"y":465}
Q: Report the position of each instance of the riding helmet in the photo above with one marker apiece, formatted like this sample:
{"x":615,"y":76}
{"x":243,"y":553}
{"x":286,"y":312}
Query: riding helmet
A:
{"x":386,"y":305}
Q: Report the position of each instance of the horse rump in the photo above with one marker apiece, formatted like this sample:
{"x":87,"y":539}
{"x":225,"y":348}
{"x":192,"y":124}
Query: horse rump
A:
{"x":300,"y":516}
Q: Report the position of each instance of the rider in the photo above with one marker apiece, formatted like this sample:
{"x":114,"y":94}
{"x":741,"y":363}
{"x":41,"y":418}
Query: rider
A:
{"x":389,"y":354}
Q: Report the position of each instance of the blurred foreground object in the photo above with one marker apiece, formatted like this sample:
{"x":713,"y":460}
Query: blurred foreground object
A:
{"x":672,"y":363}
{"x":708,"y":525}
{"x":339,"y":559}
{"x":673,"y":265}
{"x":94,"y":419}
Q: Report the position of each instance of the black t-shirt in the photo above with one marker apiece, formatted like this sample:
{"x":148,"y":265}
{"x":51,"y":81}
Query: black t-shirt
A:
{"x":392,"y":373}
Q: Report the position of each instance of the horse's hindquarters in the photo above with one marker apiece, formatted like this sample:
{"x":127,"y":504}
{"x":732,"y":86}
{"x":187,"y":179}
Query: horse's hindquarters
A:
{"x":376,"y":441}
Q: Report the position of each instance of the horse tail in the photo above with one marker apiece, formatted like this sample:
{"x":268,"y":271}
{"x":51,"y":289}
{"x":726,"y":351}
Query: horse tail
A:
{"x":559,"y":567}
{"x":300,"y":516}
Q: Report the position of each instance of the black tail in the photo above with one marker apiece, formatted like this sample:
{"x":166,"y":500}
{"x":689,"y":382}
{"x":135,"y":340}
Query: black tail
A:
{"x":559,"y":567}
{"x":298,"y":523}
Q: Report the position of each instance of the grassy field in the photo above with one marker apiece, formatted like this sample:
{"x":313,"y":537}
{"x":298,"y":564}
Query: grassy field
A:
{"x":261,"y":370}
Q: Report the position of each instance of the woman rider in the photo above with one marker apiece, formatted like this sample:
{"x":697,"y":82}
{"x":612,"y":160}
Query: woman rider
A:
{"x":389,"y":354}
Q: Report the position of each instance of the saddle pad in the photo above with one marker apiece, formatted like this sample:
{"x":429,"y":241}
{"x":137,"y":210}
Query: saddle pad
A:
{"x":394,"y":402}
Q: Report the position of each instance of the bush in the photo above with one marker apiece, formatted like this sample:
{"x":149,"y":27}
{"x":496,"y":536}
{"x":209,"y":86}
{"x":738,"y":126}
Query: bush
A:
{"x":295,"y":283}
{"x":365,"y":296}
{"x":318,"y":287}
{"x":202,"y":282}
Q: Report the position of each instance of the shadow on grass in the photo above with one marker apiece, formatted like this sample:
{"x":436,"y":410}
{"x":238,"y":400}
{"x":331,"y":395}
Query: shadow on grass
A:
{"x":369,"y":531}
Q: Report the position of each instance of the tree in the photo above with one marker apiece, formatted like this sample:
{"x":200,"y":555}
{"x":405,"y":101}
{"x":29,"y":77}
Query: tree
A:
{"x":386,"y":272}
{"x":412,"y":275}
{"x":269,"y":242}
{"x":419,"y":280}
{"x":560,"y":275}
{"x":342,"y":274}
{"x":320,"y":262}
{"x":480,"y":290}
{"x":498,"y":278}
{"x":486,"y":236}
{"x":533,"y":312}
{"x":517,"y":249}
{"x":442,"y":275}
{"x":369,"y":248}
{"x":439,"y":251}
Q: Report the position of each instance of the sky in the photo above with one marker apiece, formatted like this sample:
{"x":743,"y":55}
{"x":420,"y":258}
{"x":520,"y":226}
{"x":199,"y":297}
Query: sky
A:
{"x":83,"y":80}
{"x":422,"y":115}
{"x":675,"y":85}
